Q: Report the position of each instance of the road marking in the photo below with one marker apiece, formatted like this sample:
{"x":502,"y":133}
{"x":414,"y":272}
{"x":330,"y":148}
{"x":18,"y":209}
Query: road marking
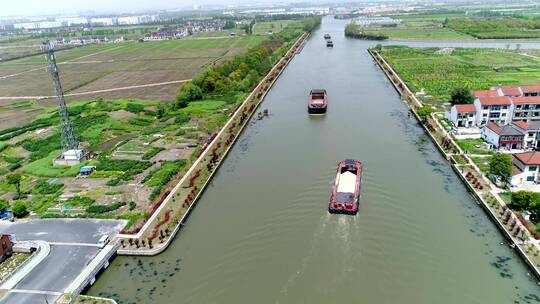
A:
{"x":43,"y":292}
{"x":73,"y":244}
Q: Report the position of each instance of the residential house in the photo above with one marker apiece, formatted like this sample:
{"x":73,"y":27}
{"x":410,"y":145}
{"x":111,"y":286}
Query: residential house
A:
{"x":531,"y":130}
{"x":493,"y":109}
{"x":503,"y":137}
{"x":6,"y":248}
{"x":463,"y":115}
{"x":526,"y":108}
{"x":525,"y":168}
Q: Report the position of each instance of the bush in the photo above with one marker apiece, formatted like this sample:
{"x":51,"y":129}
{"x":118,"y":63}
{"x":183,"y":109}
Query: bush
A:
{"x":105,"y":208}
{"x":80,"y":201}
{"x":132,"y":206}
{"x":43,"y":187}
{"x":188,"y":92}
{"x":424,"y":113}
{"x":142,"y":122}
{"x":135,"y":108}
{"x":501,"y":164}
{"x":152,"y":152}
{"x":19,"y":209}
{"x":3,"y":204}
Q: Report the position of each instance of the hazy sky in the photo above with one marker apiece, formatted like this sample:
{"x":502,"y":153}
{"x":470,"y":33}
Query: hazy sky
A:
{"x":35,"y":7}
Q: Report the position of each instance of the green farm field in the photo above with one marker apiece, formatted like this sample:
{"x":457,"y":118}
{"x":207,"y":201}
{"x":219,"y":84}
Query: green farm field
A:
{"x":419,"y":33}
{"x":474,"y":69}
{"x":112,"y":66}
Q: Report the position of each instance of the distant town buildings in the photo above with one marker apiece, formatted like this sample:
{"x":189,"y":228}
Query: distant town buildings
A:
{"x":80,"y":21}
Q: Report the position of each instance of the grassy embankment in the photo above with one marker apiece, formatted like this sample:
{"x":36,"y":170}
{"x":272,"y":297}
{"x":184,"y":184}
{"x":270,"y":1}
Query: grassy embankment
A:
{"x":139,"y":145}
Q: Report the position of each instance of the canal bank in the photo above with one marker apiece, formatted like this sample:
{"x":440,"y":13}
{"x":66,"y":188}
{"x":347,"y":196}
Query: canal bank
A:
{"x":168,"y":218}
{"x":514,"y":231}
{"x":261,"y":232}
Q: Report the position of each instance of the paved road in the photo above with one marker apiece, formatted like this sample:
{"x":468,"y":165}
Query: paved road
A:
{"x":71,"y":250}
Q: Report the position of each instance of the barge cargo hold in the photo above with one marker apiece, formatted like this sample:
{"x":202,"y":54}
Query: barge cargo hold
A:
{"x":346,"y":189}
{"x":317,"y":102}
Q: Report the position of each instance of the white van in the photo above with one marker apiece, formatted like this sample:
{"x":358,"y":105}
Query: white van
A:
{"x":103,"y":240}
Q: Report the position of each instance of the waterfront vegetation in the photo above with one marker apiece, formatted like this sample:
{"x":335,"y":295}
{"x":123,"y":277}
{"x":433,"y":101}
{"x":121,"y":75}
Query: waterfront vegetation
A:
{"x":496,"y":27}
{"x":441,"y":72}
{"x":353,"y":30}
{"x":140,"y":147}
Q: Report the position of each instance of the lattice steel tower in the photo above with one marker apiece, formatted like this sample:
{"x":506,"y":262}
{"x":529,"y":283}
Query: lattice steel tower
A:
{"x":67,"y":136}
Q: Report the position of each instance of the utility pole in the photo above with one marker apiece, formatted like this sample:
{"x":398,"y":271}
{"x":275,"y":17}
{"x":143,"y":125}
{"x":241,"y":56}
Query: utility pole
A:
{"x":67,"y":135}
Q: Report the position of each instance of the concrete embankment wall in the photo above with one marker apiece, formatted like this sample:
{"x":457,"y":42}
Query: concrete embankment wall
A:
{"x":263,"y":88}
{"x":412,"y":102}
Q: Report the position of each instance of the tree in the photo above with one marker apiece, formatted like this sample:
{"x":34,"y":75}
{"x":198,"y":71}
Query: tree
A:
{"x":15,"y":180}
{"x":189,"y":92}
{"x":3,"y":205}
{"x":524,"y":199}
{"x":424,"y":113}
{"x":161,"y":110}
{"x":461,"y":96}
{"x":19,"y":209}
{"x":501,"y":164}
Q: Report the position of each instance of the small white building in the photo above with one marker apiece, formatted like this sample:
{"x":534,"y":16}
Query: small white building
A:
{"x":525,"y":169}
{"x":463,"y":115}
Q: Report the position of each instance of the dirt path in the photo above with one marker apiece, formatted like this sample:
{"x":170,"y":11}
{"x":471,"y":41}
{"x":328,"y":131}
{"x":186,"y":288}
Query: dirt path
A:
{"x":98,"y":91}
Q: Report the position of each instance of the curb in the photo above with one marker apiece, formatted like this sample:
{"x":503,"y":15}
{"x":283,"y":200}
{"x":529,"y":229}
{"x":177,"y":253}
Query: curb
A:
{"x":24,"y":269}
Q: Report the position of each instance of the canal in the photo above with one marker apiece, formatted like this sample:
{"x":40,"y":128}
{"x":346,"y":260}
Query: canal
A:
{"x":261,"y":233}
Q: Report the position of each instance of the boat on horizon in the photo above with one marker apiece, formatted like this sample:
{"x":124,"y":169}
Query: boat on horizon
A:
{"x":329,"y":43}
{"x":327,"y":36}
{"x":346,"y":188}
{"x":317,"y":102}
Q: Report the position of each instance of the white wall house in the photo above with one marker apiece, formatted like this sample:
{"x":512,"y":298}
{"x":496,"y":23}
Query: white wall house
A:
{"x":463,"y":115}
{"x":531,"y":130}
{"x":503,"y":138}
{"x":526,"y":169}
{"x":493,"y":109}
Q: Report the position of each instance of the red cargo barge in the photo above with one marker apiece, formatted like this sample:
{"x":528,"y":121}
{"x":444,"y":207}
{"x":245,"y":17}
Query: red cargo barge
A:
{"x":346,"y":189}
{"x":317,"y":102}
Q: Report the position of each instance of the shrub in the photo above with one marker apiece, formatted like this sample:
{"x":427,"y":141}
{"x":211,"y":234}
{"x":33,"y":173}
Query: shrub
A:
{"x":19,"y":209}
{"x":3,"y":204}
{"x":139,"y":121}
{"x":105,"y":208}
{"x":43,"y":187}
{"x":132,"y":206}
{"x":152,"y":152}
{"x":135,"y":108}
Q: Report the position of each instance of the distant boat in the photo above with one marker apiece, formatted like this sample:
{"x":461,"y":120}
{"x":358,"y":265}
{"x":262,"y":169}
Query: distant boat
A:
{"x":327,"y":36}
{"x":329,"y":43}
{"x":317,"y":102}
{"x":346,"y":189}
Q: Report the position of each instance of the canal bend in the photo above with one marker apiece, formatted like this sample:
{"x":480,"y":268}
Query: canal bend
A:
{"x":261,"y":232}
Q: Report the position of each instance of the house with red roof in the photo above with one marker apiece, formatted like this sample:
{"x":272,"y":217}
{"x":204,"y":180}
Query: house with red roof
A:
{"x":503,"y":137}
{"x":525,"y":168}
{"x":531,"y":130}
{"x":463,"y":115}
{"x":493,"y":109}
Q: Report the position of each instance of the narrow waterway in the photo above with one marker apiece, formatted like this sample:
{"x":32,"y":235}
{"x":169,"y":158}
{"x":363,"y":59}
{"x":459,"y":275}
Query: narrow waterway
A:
{"x":261,"y":232}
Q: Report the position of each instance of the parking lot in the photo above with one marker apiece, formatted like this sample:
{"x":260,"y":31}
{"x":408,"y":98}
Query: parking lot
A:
{"x":73,"y":245}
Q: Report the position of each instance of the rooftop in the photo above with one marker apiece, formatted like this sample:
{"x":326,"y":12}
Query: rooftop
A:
{"x":465,"y":108}
{"x":528,"y":158}
{"x":504,"y":130}
{"x":531,"y":125}
{"x":493,"y":101}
